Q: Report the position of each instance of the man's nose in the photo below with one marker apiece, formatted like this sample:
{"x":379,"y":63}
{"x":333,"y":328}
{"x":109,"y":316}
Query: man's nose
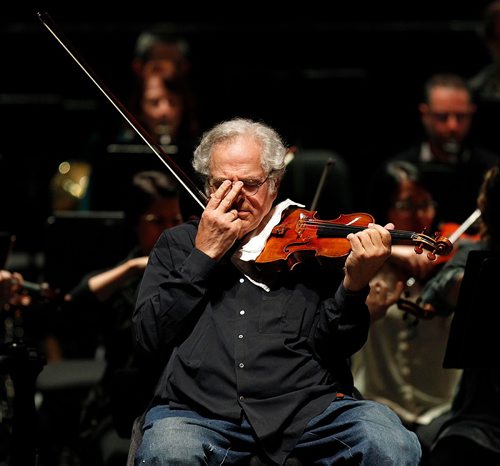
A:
{"x":452,"y":122}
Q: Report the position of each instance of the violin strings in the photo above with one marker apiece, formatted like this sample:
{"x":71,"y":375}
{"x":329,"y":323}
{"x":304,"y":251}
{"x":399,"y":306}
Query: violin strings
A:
{"x":325,"y":225}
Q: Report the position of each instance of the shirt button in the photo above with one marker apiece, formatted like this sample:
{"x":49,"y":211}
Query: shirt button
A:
{"x":240,"y":336}
{"x":242,"y":398}
{"x":242,"y":312}
{"x":408,"y":396}
{"x":241,"y":365}
{"x":241,"y":280}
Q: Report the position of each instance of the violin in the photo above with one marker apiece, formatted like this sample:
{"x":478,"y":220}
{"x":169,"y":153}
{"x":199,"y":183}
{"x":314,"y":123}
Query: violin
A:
{"x":301,"y":235}
{"x":454,"y":232}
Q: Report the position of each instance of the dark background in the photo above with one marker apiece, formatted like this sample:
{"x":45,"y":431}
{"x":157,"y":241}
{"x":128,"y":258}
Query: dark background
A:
{"x":325,"y":74}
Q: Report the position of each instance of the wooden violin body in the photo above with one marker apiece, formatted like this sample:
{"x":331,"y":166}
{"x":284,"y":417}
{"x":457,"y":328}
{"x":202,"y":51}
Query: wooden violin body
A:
{"x":292,"y":242}
{"x":301,"y":236}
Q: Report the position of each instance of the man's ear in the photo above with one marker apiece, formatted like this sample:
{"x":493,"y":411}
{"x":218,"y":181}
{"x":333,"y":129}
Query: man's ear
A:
{"x":423,"y":108}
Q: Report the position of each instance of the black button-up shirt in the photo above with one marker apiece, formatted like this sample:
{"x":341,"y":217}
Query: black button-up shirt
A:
{"x":277,"y":356}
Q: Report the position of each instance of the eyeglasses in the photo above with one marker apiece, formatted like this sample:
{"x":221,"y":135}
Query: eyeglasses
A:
{"x":443,"y":117}
{"x":407,"y":205}
{"x":250,"y":187}
{"x":161,"y":221}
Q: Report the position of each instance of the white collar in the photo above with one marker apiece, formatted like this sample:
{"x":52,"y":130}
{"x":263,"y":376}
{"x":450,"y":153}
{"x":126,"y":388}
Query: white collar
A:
{"x":254,"y":243}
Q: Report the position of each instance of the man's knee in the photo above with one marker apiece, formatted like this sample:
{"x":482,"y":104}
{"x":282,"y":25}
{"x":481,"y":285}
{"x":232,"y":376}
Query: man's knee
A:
{"x":385,"y":438}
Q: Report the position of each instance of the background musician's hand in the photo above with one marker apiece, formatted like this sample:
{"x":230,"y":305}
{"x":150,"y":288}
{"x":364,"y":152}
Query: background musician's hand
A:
{"x":381,"y":297}
{"x":219,"y":224}
{"x":417,"y":265}
{"x":370,"y":248}
{"x":11,"y":287}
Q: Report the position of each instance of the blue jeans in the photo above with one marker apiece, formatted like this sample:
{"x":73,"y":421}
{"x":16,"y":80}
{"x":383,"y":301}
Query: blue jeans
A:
{"x":349,"y":431}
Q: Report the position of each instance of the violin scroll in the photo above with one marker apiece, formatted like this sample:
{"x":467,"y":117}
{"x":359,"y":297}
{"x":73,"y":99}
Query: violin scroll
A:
{"x":438,"y":246}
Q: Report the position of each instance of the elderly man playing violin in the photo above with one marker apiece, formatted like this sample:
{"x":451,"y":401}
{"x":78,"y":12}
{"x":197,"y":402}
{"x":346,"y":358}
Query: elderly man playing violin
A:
{"x":257,"y":359}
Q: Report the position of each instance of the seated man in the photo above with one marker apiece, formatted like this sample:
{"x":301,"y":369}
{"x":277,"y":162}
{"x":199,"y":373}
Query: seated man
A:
{"x":257,"y":359}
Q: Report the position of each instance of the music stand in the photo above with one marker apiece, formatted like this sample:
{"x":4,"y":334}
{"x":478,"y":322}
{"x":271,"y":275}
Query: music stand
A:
{"x":473,"y":340}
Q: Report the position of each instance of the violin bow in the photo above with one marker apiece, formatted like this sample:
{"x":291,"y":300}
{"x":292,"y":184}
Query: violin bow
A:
{"x":464,"y":226}
{"x":326,"y":170}
{"x":176,"y":171}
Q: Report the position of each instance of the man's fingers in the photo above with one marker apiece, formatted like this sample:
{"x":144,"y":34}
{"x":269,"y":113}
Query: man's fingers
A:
{"x":217,"y":196}
{"x":225,"y":196}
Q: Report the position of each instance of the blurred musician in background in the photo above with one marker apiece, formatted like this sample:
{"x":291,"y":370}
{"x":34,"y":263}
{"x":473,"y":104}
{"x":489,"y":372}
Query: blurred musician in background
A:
{"x":453,"y":164}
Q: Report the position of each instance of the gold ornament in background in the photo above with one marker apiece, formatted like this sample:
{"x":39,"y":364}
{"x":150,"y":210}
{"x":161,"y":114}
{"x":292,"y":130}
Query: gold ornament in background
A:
{"x":69,"y":185}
